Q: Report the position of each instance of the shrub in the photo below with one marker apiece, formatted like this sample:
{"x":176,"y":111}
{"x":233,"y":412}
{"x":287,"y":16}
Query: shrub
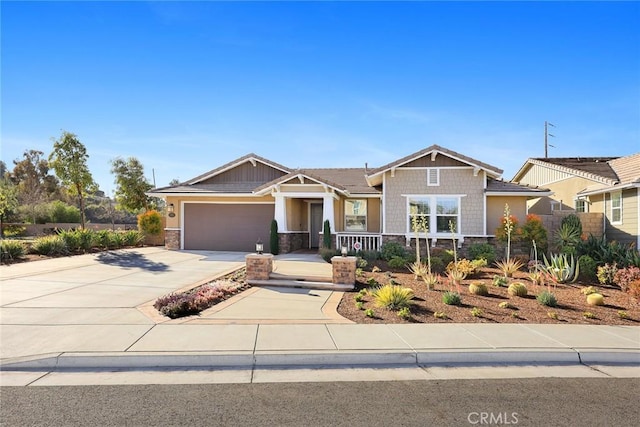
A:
{"x":589,"y":290}
{"x":476,"y":312}
{"x":623,"y":314}
{"x":451,"y":298}
{"x":533,"y":230}
{"x":391,"y":250}
{"x":506,"y":304}
{"x":500,"y":280}
{"x":370,"y":256}
{"x":50,"y":246}
{"x":553,"y":315}
{"x":440,"y":315}
{"x":466,"y":267}
{"x":606,"y":273}
{"x":274,"y":239}
{"x":150,"y":222}
{"x":194,"y":301}
{"x":633,"y":289}
{"x":328,"y":253}
{"x":588,"y":315}
{"x":547,"y":298}
{"x":478,"y":288}
{"x":393,"y":297}
{"x":359,"y":305}
{"x":624,"y":276}
{"x":437,"y":265}
{"x":404,"y":313}
{"x":369,"y":313}
{"x":588,"y":267}
{"x":595,"y":299}
{"x":517,"y":289}
{"x":482,"y":251}
{"x":397,"y":262}
{"x":132,"y":238}
{"x":326,"y":234}
{"x":13,"y":230}
{"x":11,"y":249}
{"x":59,"y":211}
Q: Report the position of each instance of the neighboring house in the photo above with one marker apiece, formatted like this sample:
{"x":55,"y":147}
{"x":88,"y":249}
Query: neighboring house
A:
{"x":607,"y":185}
{"x":232,"y":206}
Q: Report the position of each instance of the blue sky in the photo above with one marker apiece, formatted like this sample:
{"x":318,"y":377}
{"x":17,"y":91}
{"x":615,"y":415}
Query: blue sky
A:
{"x":186,"y":87}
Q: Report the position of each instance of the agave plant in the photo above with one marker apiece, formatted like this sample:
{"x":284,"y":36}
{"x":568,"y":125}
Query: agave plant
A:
{"x":431,"y":280}
{"x":418,"y":269}
{"x":561,"y":268}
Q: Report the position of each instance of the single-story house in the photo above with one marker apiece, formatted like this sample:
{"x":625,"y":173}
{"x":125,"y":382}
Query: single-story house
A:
{"x":232,"y":206}
{"x":608,"y":185}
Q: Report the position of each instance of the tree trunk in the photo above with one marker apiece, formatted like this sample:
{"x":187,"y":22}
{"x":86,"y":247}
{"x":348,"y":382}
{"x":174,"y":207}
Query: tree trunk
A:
{"x":81,"y":206}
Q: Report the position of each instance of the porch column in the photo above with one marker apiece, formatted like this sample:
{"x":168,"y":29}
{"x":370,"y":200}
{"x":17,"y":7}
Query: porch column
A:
{"x":280,"y":214}
{"x":327,"y":211}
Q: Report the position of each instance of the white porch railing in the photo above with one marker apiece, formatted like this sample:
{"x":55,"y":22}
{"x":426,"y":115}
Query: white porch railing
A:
{"x":366,"y":242}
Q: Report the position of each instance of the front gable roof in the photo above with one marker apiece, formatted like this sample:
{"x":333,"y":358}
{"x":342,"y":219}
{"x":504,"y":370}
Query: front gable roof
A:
{"x":301,"y":175}
{"x":596,"y":169}
{"x":433,"y":151}
{"x":249,"y":158}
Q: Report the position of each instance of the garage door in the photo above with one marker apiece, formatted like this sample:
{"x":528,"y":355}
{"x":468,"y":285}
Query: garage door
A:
{"x":221,"y":227}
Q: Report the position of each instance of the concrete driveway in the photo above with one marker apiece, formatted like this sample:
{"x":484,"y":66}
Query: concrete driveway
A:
{"x":88,"y":302}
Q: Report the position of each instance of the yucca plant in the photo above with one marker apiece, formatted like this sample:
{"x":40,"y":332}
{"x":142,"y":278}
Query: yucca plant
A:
{"x":418,"y":269}
{"x":561,"y":268}
{"x":393,"y":297}
{"x":509,"y":266}
{"x":431,"y":280}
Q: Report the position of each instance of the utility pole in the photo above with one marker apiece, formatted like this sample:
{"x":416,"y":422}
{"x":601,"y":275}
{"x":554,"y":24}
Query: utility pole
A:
{"x":546,"y":138}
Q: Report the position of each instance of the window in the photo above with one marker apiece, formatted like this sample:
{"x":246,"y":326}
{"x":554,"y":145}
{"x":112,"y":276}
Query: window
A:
{"x":616,"y":208}
{"x":555,"y":205}
{"x":582,"y":205}
{"x":439,"y":210}
{"x":433,"y":177}
{"x":355,"y":215}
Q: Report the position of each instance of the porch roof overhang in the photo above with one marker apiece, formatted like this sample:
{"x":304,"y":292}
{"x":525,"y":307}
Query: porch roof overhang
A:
{"x":590,"y":191}
{"x":301,"y":177}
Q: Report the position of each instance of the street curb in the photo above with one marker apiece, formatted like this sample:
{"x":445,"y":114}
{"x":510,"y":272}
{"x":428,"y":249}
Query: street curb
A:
{"x":251,"y":360}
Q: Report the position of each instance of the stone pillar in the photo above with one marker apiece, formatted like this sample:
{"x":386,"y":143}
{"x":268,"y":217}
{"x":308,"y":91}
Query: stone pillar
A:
{"x":344,"y":270}
{"x":259,"y":266}
{"x":172,"y":239}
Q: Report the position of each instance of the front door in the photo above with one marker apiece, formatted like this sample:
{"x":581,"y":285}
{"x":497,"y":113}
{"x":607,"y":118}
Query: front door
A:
{"x":316,"y":225}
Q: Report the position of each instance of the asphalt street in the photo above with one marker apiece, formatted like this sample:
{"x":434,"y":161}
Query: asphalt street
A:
{"x":522,"y":402}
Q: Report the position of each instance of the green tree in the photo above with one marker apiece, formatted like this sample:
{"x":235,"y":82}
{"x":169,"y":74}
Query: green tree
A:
{"x":8,"y":199}
{"x":34,"y":183}
{"x":69,"y":160}
{"x":131,"y":184}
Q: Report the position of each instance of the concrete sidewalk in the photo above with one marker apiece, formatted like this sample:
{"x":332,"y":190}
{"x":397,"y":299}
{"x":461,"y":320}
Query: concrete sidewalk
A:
{"x":80,"y":313}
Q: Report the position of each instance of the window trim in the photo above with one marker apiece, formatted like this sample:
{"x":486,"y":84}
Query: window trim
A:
{"x":366,"y":216}
{"x":617,"y":208}
{"x":585,"y":205}
{"x":433,"y":214}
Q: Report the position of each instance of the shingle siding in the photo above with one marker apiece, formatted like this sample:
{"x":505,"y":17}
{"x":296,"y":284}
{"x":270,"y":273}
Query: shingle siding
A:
{"x":458,"y":181}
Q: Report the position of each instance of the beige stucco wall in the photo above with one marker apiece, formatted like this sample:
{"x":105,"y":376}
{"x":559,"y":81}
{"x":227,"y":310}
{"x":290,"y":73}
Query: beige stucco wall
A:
{"x":297,"y":215}
{"x":373,"y":213}
{"x":495,"y":210}
{"x":564,"y":191}
{"x":459,"y":181}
